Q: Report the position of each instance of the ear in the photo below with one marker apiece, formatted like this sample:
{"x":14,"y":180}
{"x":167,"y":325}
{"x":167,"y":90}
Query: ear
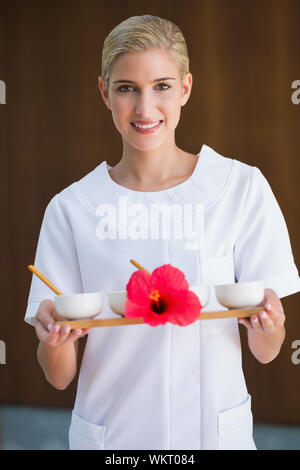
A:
{"x":186,"y":88}
{"x":104,"y":91}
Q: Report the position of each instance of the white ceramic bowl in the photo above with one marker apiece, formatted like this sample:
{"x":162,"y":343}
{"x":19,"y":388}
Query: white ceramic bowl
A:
{"x":118,"y":298}
{"x":240,"y":294}
{"x":77,"y":306}
{"x":117,"y":301}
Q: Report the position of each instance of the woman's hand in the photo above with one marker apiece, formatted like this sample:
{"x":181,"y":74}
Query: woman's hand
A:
{"x":266,"y":331}
{"x":270,"y":319}
{"x":58,"y":334}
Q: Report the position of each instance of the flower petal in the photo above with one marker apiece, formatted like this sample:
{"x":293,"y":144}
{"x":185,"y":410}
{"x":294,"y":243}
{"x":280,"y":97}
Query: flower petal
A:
{"x":186,"y":310}
{"x":175,"y":302}
{"x":167,"y":278}
{"x":138,"y":288}
{"x":155,"y":319}
{"x":133,"y":310}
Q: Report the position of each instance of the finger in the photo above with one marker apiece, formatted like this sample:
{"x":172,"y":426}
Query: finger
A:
{"x":63,"y":334}
{"x":270,"y":296}
{"x":73,"y":336}
{"x":44,"y":319}
{"x":64,"y":338}
{"x":46,"y":314}
{"x":255,"y":322}
{"x":49,"y":313}
{"x":53,"y":335}
{"x":41,"y":332}
{"x":266,"y":322}
{"x":66,"y":335}
{"x":77,"y":332}
{"x":45,"y":311}
{"x":276,"y":313}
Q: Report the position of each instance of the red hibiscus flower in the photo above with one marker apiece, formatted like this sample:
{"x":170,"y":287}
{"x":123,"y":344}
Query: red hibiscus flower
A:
{"x":162,"y":296}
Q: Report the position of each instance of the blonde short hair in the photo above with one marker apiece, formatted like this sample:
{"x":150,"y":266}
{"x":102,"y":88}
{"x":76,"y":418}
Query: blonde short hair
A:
{"x":141,"y":33}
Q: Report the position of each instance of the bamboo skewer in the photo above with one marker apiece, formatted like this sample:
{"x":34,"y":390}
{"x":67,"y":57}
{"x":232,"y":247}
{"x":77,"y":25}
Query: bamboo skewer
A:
{"x":43,"y":278}
{"x":139,"y":266}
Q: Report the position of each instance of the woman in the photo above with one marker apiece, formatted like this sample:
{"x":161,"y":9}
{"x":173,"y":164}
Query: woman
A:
{"x":166,"y":387}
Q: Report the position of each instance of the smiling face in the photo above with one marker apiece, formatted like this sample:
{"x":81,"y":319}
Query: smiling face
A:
{"x":145,"y":87}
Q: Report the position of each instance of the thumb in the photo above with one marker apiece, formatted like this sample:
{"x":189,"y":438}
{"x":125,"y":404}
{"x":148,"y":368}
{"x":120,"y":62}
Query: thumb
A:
{"x":55,"y":315}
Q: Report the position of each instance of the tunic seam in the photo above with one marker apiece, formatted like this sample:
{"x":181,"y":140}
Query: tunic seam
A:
{"x":225,"y":188}
{"x":169,"y":444}
{"x":68,"y":222}
{"x":170,"y":339}
{"x":245,"y":199}
{"x":84,"y":200}
{"x":200,"y":391}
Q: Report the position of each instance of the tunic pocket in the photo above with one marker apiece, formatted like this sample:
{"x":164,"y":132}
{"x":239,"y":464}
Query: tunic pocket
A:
{"x":235,"y":427}
{"x":215,"y":270}
{"x":84,"y":435}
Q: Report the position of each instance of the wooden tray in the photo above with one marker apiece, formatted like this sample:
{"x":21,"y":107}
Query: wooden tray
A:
{"x":231,"y":313}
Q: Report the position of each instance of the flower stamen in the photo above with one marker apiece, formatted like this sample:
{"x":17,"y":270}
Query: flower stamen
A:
{"x":154,"y":295}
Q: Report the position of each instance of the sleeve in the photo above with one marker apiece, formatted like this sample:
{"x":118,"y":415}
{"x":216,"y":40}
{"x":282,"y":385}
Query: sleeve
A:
{"x":262,"y":251}
{"x":56,"y":258}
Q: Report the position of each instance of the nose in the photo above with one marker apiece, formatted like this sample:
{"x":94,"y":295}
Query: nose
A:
{"x":144,"y":105}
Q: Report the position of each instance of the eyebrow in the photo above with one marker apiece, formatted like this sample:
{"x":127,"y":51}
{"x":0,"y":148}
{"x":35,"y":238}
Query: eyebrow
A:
{"x":156,"y":80}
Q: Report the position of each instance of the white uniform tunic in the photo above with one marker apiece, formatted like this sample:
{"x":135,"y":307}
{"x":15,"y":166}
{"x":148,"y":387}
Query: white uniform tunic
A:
{"x":164,"y":387}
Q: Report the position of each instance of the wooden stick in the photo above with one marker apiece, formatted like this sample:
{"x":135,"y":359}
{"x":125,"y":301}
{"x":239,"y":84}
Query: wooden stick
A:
{"x":231,"y":313}
{"x":44,"y":279}
{"x":139,"y":266}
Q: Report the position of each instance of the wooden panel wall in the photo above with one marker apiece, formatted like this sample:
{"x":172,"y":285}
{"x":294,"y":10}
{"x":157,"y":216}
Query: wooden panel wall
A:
{"x":54,"y":129}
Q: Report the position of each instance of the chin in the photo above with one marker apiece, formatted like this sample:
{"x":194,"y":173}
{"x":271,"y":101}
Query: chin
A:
{"x":142,"y":146}
{"x":146,"y":148}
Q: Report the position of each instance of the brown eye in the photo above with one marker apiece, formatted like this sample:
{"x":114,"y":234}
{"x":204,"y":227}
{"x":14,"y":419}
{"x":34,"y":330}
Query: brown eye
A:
{"x":125,"y":88}
{"x":121,"y":88}
{"x":164,"y":84}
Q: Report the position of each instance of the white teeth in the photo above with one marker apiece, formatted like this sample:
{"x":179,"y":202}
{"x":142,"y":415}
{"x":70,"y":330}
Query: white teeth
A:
{"x":147,"y":126}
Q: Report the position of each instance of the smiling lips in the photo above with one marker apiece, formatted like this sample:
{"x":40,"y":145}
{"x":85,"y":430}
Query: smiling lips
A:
{"x":146,"y":127}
